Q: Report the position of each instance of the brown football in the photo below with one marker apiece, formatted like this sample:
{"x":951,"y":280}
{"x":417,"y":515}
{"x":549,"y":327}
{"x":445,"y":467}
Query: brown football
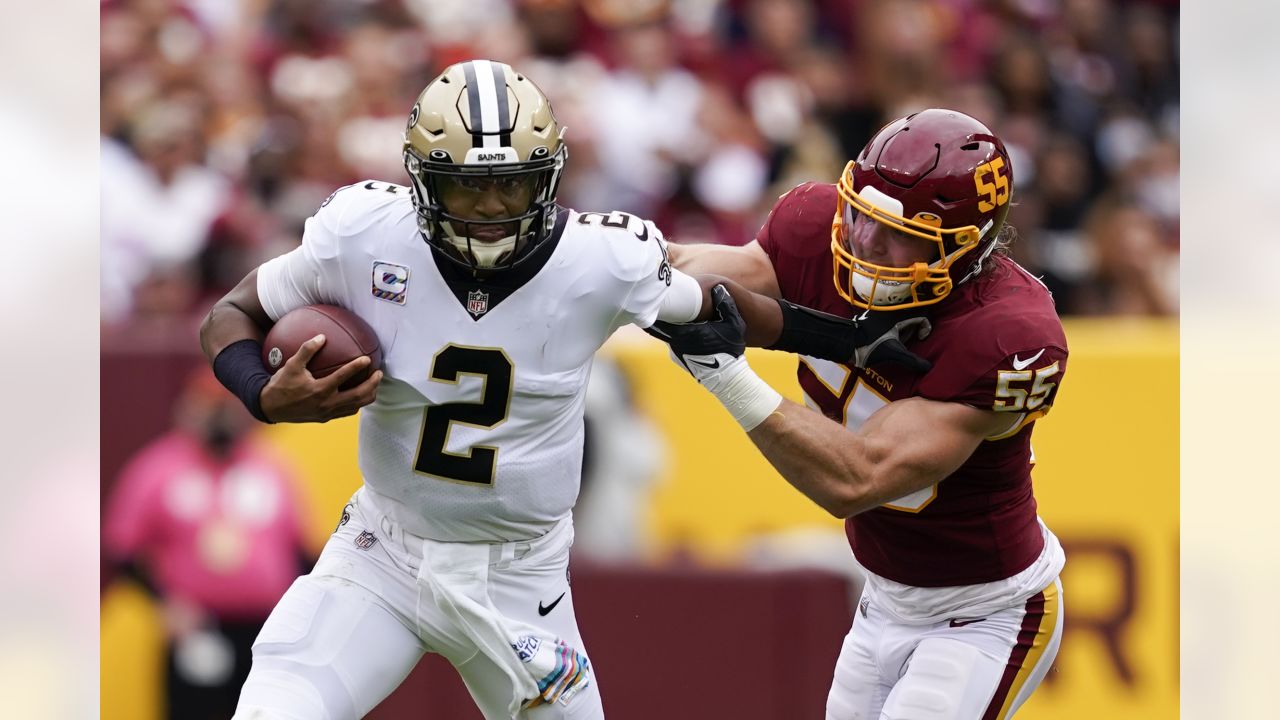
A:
{"x":347,"y":337}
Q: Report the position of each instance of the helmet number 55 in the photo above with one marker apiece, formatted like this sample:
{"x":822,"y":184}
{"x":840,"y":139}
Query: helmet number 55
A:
{"x":477,"y":463}
{"x":998,"y":192}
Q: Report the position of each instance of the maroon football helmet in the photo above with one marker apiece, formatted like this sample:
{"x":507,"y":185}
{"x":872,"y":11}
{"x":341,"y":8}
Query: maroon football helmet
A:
{"x":937,"y":174}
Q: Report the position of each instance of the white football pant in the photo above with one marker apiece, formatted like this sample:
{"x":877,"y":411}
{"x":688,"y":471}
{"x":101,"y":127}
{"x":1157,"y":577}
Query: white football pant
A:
{"x":958,"y":669}
{"x":345,"y":636}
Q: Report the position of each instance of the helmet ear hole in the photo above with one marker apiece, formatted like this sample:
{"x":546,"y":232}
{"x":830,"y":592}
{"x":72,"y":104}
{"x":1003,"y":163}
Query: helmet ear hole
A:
{"x":439,"y":156}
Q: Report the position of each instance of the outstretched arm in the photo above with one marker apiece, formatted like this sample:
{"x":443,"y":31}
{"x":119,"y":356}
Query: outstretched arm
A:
{"x":772,"y":322}
{"x":778,"y":324}
{"x":748,"y":265}
{"x":763,"y":315}
{"x":906,"y":446}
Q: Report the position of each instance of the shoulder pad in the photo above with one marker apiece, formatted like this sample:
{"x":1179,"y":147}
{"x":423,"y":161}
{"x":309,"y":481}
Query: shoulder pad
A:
{"x":634,"y":245}
{"x":800,"y":223}
{"x":1018,"y":333}
{"x":352,"y":209}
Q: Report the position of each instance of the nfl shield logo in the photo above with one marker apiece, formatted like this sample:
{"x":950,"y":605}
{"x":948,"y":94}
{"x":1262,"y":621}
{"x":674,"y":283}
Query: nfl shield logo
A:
{"x":477,"y":302}
{"x":365,"y":540}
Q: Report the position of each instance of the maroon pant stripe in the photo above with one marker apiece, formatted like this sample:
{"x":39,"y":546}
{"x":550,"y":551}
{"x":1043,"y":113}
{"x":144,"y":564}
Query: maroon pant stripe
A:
{"x":1026,"y":640}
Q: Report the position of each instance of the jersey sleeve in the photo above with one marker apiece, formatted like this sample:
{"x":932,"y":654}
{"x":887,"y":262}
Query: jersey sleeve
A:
{"x":797,"y":239}
{"x":643,"y":266}
{"x":1016,"y":367}
{"x":311,"y":273}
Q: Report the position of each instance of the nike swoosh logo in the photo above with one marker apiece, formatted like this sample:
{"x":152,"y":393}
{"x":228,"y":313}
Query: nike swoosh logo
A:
{"x":544,"y":610}
{"x":1022,"y":364}
{"x":962,"y":623}
{"x":714,"y":364}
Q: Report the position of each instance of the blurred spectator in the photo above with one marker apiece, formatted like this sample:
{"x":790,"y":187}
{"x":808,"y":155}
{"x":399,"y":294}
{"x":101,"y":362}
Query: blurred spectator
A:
{"x":158,"y":202}
{"x":623,"y":457}
{"x":647,"y":111}
{"x":1138,"y":270}
{"x":225,"y":124}
{"x":206,"y":520}
{"x":1056,"y":204}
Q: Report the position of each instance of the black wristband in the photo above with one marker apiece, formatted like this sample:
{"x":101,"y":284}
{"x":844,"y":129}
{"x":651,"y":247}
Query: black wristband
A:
{"x":817,"y":334}
{"x":239,"y":368}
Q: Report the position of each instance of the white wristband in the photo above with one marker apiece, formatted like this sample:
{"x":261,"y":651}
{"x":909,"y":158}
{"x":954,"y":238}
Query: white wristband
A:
{"x":748,"y":399}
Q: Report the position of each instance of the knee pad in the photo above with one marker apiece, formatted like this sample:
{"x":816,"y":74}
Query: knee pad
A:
{"x":278,"y":693}
{"x":298,"y":656}
{"x":937,"y":682}
{"x":856,"y":700}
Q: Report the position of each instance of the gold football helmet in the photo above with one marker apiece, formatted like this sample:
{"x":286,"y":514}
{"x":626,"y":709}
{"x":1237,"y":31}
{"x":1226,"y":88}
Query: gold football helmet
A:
{"x":481,"y":124}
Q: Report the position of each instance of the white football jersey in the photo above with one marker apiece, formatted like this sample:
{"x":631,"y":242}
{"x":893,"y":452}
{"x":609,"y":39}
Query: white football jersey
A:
{"x":477,"y":431}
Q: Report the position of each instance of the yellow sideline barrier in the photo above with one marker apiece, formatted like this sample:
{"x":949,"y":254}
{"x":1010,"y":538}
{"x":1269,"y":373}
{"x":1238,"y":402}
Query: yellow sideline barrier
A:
{"x":1106,"y":478}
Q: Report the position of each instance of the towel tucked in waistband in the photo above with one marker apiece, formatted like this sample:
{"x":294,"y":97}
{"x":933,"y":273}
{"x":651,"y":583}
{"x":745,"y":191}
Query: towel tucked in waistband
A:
{"x":541,"y":668}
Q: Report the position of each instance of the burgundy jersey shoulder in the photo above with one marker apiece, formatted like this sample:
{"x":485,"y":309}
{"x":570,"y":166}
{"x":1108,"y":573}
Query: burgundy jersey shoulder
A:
{"x":797,"y":239}
{"x":999,"y":344}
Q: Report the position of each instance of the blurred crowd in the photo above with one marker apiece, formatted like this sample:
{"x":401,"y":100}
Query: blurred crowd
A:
{"x":225,"y":123}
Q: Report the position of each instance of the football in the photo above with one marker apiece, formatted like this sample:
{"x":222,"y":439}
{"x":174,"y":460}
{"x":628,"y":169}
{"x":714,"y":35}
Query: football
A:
{"x":347,"y":337}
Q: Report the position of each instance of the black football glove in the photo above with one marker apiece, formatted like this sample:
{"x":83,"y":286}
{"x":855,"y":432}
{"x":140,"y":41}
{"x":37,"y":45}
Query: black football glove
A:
{"x":871,"y":338}
{"x":703,"y":348}
{"x":884,"y":334}
{"x":712,"y":352}
{"x":706,"y":348}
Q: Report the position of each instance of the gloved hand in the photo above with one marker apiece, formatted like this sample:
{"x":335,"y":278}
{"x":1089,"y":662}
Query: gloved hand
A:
{"x":879,"y":338}
{"x":709,"y":349}
{"x":712,"y":352}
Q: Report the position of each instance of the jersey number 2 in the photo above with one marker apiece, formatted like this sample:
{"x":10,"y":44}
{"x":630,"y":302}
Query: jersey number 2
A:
{"x":477,"y":464}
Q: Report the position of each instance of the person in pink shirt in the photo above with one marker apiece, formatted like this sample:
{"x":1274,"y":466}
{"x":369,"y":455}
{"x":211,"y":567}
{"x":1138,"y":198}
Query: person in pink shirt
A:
{"x":205,"y":518}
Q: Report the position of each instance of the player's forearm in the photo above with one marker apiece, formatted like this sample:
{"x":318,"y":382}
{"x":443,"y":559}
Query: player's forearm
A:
{"x":831,"y":466}
{"x":783,"y":325}
{"x":226,"y":324}
{"x":237,"y":316}
{"x":698,"y":258}
{"x":747,"y":265}
{"x":762,"y":314}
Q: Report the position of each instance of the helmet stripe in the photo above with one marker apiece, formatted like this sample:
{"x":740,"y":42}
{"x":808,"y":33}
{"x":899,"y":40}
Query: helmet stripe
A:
{"x":473,"y":101}
{"x":488,"y":103}
{"x":500,"y":89}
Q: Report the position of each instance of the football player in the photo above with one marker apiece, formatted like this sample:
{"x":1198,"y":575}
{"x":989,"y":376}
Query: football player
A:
{"x":470,"y":443}
{"x":961,"y":615}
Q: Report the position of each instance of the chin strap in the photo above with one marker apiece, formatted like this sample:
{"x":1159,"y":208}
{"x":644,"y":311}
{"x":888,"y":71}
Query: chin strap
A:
{"x":977,"y":264}
{"x":486,"y":255}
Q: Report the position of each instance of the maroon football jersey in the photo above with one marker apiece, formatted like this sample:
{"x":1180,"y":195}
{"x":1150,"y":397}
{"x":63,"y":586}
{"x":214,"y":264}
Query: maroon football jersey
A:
{"x":996,"y":344}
